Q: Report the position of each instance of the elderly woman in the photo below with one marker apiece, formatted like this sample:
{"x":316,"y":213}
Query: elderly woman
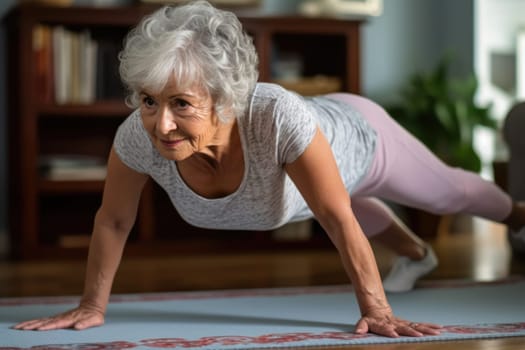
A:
{"x":235,"y":154}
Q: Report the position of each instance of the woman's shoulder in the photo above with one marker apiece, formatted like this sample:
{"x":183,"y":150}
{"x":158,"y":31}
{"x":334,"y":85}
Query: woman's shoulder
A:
{"x":132,"y":127}
{"x":272,"y":91}
{"x":273,"y":107}
{"x":132,"y":143}
{"x":269,"y":98}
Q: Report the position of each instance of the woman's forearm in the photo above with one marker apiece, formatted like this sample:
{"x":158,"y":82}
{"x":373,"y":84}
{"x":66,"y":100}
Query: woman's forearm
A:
{"x":360,"y":264}
{"x":105,"y":253}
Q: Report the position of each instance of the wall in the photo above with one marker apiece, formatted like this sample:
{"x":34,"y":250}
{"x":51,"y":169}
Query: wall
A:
{"x":411,"y":35}
{"x":496,"y":24}
{"x":509,"y":20}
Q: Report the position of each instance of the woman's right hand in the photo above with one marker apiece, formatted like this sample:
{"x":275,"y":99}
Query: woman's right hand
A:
{"x":79,"y":318}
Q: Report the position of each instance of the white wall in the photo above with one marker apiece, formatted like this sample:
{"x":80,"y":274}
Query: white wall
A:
{"x":496,"y":24}
{"x":412,"y":36}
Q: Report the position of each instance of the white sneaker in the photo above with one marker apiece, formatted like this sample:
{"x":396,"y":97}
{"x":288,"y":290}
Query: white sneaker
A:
{"x":517,"y":240}
{"x":405,"y":272}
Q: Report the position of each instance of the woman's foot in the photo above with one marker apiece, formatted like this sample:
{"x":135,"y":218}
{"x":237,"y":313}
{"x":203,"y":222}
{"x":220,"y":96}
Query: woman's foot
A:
{"x":516,"y":224}
{"x":405,"y":272}
{"x":517,"y":240}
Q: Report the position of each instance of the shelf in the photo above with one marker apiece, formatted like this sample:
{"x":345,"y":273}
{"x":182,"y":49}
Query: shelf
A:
{"x":311,"y":86}
{"x":51,"y":187}
{"x":115,"y":17}
{"x":111,"y":109}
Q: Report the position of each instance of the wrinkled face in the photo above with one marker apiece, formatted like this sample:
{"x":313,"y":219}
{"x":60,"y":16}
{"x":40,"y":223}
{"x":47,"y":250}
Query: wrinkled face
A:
{"x":179,"y":122}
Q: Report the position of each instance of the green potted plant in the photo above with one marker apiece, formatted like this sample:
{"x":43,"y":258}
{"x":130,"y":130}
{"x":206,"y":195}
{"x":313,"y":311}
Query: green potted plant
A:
{"x":442,"y":113}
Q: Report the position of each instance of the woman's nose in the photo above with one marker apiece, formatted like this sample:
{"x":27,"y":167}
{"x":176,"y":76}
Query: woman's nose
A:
{"x":166,"y":121}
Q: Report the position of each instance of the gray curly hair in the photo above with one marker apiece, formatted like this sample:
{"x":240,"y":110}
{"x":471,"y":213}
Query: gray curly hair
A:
{"x":197,"y":44}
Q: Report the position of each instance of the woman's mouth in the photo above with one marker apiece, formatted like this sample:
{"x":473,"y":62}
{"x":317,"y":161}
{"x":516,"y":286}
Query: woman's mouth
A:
{"x":171,"y":143}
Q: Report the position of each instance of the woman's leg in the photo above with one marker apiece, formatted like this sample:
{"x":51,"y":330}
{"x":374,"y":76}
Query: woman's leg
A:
{"x":380,"y":224}
{"x":406,"y":172}
{"x":516,"y":219}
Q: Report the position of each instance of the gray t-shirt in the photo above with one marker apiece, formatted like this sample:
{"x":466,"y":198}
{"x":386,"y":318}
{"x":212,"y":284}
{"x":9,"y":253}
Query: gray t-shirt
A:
{"x":276,"y":130}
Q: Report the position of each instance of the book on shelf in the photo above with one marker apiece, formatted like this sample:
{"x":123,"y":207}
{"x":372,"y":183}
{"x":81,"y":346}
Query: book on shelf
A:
{"x":108,"y":83}
{"x":72,"y":167}
{"x":43,"y":52}
{"x":73,"y":67}
{"x":74,"y":62}
{"x":61,"y":64}
{"x":87,"y":67}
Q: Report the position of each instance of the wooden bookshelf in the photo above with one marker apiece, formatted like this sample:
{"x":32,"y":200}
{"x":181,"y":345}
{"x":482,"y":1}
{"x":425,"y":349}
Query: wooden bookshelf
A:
{"x":45,"y":213}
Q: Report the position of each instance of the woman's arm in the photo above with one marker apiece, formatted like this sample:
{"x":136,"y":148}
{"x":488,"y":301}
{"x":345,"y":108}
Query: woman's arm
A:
{"x":112,"y":225}
{"x":317,"y":177}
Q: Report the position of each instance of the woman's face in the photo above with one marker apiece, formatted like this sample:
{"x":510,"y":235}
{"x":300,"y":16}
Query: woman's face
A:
{"x":180,"y":123}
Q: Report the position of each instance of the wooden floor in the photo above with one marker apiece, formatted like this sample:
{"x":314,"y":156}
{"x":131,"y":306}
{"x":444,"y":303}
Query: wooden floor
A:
{"x":476,"y":250}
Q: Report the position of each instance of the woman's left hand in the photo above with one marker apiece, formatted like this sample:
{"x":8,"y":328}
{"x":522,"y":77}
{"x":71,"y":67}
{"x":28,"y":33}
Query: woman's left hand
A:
{"x":386,"y":324}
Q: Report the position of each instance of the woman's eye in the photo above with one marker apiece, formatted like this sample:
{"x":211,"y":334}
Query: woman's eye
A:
{"x":181,"y":104}
{"x":148,"y":101}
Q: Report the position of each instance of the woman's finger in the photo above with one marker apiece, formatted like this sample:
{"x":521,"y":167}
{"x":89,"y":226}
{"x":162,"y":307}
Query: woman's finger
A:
{"x":31,"y":324}
{"x":410,"y":330}
{"x":93,"y":321}
{"x":394,"y":327}
{"x":428,"y":328}
{"x":77,"y":319}
{"x":57,"y":323}
{"x":415,"y":329}
{"x":361,"y":327}
{"x":386,"y":329}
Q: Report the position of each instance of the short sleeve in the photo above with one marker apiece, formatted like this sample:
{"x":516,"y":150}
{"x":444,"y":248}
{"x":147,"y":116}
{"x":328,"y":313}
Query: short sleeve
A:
{"x":133,"y":145}
{"x":296,"y":126}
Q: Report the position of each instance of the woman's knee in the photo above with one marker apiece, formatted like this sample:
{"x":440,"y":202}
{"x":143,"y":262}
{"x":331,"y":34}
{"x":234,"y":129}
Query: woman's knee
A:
{"x":459,"y":196}
{"x":373,"y":215}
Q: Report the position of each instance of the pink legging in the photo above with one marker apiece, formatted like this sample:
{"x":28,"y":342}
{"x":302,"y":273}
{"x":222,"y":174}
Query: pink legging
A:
{"x":404,"y":171}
